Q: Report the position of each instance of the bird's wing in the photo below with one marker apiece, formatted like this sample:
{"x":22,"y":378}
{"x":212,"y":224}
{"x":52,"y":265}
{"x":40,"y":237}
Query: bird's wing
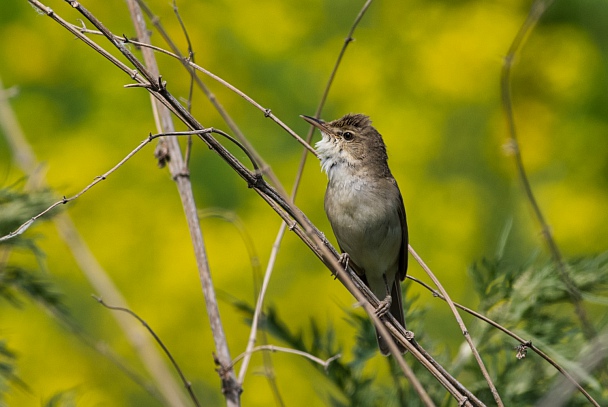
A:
{"x":404,"y":240}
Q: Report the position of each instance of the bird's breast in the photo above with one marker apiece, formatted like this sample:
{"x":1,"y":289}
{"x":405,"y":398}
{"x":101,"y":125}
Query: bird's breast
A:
{"x":364,"y":215}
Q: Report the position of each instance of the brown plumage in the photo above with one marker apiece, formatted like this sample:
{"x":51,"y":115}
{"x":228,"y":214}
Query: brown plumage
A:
{"x":365,"y":208}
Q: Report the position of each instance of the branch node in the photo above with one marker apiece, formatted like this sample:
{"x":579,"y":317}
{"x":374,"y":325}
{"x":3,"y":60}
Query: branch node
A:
{"x":100,"y":177}
{"x":83,"y":26}
{"x":229,"y":385}
{"x":162,"y":85}
{"x":331,"y":359}
{"x":267,"y":112}
{"x":182,"y":174}
{"x":257,"y":181}
{"x":64,"y":200}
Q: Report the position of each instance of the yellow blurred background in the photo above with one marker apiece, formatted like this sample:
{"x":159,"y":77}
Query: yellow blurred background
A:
{"x":426,"y":72}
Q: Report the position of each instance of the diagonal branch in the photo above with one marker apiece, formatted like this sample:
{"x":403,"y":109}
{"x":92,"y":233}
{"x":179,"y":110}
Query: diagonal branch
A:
{"x":463,"y":328}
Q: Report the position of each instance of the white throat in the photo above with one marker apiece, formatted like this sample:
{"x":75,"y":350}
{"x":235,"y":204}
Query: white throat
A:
{"x":341,"y":168}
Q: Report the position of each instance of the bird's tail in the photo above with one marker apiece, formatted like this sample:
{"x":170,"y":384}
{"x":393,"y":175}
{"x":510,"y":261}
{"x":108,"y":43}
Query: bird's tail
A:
{"x":397,"y":312}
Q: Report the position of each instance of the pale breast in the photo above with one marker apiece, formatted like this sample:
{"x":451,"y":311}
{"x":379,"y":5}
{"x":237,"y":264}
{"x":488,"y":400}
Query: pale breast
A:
{"x":364,"y":217}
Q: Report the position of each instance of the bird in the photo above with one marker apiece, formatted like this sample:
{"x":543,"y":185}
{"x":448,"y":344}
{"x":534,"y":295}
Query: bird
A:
{"x":365,"y":209}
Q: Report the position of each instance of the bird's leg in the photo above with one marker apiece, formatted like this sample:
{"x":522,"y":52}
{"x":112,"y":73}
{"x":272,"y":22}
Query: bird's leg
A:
{"x":385,"y":305}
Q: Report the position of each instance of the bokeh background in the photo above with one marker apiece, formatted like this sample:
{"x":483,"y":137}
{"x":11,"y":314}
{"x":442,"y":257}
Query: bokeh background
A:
{"x":426,"y":72}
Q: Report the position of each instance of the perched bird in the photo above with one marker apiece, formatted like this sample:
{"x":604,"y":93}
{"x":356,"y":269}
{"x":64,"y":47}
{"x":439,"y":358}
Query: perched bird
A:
{"x":365,"y":209}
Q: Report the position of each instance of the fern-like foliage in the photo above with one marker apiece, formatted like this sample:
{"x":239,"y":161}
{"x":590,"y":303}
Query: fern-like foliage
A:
{"x":532,"y":301}
{"x":528,"y":299}
{"x":19,"y":283}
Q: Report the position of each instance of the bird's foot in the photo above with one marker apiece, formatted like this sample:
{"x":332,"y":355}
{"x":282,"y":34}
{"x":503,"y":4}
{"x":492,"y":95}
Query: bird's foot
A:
{"x":344,"y":259}
{"x":384,"y":306}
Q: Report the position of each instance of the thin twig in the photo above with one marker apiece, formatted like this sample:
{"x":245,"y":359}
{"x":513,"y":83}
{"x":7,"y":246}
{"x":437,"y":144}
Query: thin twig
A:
{"x":463,"y":327}
{"x":190,"y":53}
{"x":277,"y":243}
{"x":273,"y":348}
{"x":65,"y":200}
{"x":232,"y":218}
{"x":185,"y":381}
{"x":267,"y":112}
{"x":106,"y":351}
{"x":23,"y":227}
{"x":266,"y":169}
{"x":258,"y":308}
{"x":594,"y":356}
{"x":536,"y":12}
{"x":93,"y":271}
{"x":208,"y":130}
{"x":188,"y":151}
{"x":349,"y":38}
{"x":524,"y":344}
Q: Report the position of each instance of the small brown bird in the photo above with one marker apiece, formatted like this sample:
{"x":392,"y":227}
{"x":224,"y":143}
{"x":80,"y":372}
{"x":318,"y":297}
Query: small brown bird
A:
{"x":365,"y":209}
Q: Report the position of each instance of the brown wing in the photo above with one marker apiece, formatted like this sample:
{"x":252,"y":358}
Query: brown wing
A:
{"x":397,"y":304}
{"x":404,"y":240}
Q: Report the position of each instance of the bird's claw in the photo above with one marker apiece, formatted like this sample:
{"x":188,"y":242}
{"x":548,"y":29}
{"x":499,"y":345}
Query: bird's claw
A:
{"x":344,"y":259}
{"x":384,"y":306}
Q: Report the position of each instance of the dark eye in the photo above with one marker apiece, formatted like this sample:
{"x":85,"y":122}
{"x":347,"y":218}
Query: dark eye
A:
{"x":348,"y":135}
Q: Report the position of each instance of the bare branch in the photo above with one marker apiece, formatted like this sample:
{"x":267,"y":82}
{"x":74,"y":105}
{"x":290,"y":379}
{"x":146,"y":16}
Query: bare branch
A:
{"x":521,"y":348}
{"x":65,"y":200}
{"x":463,"y":328}
{"x":155,"y":21}
{"x":273,"y":348}
{"x":177,"y":168}
{"x":185,"y":381}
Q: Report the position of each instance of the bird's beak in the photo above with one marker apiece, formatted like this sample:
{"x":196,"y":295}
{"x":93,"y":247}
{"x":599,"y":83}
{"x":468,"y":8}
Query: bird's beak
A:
{"x":318,"y":123}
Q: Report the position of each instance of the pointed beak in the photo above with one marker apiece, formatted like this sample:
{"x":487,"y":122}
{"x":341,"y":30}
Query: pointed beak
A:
{"x":318,"y":123}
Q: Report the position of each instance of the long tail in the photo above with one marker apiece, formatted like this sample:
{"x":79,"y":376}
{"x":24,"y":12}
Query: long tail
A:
{"x":397,"y":312}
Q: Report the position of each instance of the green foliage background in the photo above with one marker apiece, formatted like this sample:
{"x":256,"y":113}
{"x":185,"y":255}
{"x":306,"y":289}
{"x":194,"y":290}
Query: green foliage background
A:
{"x":427,"y":73}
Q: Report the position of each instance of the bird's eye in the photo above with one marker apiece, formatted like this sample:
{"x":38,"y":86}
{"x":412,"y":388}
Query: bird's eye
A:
{"x":348,"y":135}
